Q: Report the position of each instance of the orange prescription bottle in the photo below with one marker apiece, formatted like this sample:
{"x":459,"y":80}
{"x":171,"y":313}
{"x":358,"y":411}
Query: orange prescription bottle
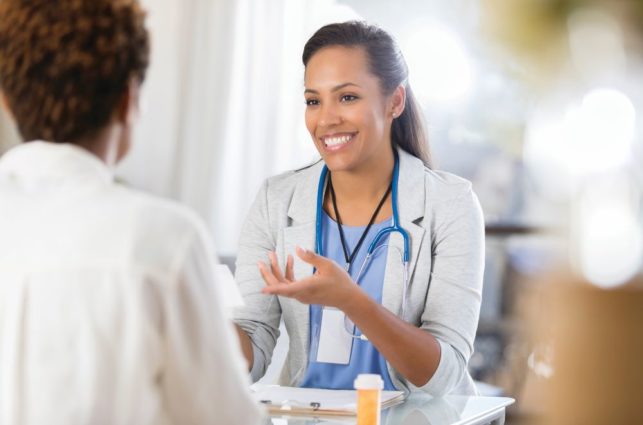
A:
{"x":369,"y":396}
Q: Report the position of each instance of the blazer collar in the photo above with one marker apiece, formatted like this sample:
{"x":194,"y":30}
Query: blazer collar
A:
{"x":303,"y":209}
{"x":411,"y":193}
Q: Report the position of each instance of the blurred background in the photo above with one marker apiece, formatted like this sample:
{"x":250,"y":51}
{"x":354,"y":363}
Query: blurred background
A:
{"x":537,"y":102}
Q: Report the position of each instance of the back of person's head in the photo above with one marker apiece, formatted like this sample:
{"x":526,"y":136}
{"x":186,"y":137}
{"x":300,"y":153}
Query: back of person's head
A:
{"x":387,"y":63}
{"x":66,"y":64}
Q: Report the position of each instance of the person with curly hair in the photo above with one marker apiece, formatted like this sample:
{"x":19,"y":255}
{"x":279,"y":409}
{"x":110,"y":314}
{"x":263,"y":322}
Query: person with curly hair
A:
{"x":109,"y":308}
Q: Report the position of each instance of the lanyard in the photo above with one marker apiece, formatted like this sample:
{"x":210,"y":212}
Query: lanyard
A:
{"x":349,"y":257}
{"x":396,"y":227}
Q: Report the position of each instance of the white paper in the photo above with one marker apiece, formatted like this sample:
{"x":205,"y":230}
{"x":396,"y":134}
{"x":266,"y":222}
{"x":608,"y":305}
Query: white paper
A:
{"x":229,"y":290}
{"x":335,"y":343}
{"x":327,"y":400}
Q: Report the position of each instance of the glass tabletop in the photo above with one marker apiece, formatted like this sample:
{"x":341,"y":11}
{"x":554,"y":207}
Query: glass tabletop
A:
{"x":421,"y":409}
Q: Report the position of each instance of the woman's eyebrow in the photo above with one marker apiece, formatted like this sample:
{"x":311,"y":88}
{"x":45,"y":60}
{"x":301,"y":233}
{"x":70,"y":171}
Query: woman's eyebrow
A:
{"x":334,"y":89}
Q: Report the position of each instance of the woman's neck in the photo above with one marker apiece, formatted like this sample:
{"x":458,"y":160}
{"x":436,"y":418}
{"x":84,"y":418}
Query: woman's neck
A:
{"x":359,"y":192}
{"x":106,"y":145}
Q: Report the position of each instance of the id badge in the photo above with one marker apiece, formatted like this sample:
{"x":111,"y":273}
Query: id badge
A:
{"x":335,"y":343}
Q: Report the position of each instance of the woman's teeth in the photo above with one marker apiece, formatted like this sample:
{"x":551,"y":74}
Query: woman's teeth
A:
{"x":334,"y":141}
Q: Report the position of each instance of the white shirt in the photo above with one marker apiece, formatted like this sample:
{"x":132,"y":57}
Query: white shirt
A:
{"x":109,"y":313}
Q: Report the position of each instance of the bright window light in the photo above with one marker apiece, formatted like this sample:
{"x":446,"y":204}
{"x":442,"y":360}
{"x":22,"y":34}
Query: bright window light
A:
{"x":600,"y":131}
{"x":610,"y":242}
{"x":440,"y":69}
{"x":564,"y":144}
{"x":546,"y":152}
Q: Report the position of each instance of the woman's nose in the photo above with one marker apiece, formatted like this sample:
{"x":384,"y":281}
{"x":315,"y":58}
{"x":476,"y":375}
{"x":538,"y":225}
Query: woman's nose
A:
{"x":329,"y":115}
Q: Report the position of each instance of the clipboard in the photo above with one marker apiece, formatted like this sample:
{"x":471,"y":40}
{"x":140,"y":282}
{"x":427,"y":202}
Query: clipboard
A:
{"x":315,"y":402}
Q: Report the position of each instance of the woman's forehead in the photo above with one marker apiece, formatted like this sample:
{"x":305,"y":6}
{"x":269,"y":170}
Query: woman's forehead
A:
{"x":338,"y":65}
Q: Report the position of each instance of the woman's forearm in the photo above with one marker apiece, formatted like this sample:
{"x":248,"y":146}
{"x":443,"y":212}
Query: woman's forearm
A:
{"x":413,"y":352}
{"x":246,"y":346}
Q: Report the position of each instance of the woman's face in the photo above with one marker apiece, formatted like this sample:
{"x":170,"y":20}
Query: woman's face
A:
{"x":348,"y":117}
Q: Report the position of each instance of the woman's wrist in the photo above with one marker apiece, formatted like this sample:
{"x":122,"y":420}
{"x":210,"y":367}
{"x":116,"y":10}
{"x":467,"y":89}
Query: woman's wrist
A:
{"x":356,"y":302}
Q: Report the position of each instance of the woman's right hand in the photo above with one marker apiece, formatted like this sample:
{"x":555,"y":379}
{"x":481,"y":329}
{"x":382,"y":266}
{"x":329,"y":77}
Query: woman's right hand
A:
{"x":330,"y":286}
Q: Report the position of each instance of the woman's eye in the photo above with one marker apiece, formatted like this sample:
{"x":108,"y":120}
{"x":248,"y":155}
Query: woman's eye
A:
{"x":312,"y":102}
{"x":348,"y":98}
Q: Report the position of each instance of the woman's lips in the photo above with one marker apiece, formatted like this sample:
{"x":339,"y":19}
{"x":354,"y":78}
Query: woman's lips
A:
{"x":337,"y":141}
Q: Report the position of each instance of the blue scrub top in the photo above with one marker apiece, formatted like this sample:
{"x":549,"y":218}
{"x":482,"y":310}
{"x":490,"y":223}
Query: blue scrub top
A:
{"x":364,"y":356}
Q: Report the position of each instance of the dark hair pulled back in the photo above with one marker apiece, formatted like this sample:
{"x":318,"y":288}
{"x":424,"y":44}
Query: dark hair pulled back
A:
{"x":388,"y":65}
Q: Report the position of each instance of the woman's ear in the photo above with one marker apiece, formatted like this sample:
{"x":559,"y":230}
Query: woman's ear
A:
{"x":397,"y":101}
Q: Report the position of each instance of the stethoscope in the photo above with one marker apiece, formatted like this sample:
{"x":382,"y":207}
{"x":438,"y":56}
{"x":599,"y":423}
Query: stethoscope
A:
{"x":373,"y":247}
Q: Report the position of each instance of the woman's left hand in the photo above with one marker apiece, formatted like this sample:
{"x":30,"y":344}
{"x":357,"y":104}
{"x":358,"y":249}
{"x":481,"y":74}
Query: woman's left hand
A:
{"x":330,"y":286}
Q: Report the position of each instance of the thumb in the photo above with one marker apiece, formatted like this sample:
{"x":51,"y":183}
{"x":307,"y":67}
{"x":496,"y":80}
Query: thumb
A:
{"x":310,"y":257}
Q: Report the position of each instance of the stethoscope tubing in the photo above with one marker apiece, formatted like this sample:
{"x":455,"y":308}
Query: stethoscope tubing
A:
{"x":395,"y":227}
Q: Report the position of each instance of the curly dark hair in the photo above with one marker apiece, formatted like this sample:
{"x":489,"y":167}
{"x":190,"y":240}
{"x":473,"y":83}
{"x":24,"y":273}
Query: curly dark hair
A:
{"x":65,"y":64}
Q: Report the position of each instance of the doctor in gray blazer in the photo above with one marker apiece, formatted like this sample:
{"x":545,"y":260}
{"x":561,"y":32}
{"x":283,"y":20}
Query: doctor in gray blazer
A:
{"x":362,"y":117}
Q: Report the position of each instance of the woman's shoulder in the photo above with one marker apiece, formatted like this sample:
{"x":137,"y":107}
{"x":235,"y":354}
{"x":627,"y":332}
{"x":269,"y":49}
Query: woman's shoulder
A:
{"x":439,"y":185}
{"x":445,"y":183}
{"x":449,"y":195}
{"x":153,"y":213}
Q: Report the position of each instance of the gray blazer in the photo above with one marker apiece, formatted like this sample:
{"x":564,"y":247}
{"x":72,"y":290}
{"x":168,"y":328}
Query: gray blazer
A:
{"x":444,"y":220}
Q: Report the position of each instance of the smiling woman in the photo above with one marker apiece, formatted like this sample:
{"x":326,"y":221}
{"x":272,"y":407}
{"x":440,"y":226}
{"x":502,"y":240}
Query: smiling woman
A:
{"x":376,"y":198}
{"x":347,"y":115}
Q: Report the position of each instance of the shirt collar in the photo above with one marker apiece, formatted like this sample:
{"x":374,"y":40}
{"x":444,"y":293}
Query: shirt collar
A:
{"x":39,"y":160}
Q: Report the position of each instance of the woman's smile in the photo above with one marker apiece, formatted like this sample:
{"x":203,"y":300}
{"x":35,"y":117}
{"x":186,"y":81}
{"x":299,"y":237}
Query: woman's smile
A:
{"x":336,"y":141}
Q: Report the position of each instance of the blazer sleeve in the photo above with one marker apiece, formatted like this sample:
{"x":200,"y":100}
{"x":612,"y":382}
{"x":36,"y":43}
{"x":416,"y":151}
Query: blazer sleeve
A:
{"x":455,"y":290}
{"x":260,"y":316}
{"x":203,"y":378}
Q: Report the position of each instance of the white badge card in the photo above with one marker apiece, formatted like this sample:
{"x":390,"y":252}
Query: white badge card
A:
{"x":335,"y":342}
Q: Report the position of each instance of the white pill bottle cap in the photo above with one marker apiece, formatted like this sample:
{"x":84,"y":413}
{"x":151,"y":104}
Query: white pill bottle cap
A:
{"x":369,"y":381}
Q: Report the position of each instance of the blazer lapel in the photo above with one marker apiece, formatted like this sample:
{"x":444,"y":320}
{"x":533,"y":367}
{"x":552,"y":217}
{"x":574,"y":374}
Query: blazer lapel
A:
{"x":410,"y":204}
{"x":302,"y":213}
{"x":301,"y":232}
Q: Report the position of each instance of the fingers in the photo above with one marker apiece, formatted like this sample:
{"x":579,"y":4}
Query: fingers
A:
{"x":311,"y":258}
{"x":268,"y":275}
{"x":277,"y":287}
{"x":290,"y":275}
{"x":276,"y":270}
{"x":292,"y":290}
{"x":278,"y":284}
{"x":272,"y":274}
